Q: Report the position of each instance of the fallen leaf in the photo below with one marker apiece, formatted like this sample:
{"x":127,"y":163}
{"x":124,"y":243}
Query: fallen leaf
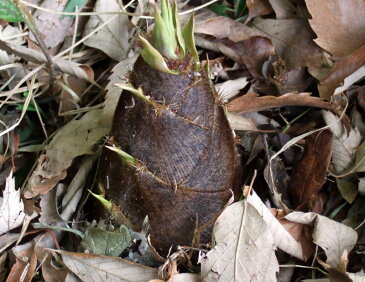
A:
{"x":239,"y":122}
{"x":345,"y":145}
{"x":333,"y":237}
{"x":244,"y":248}
{"x":76,"y":188}
{"x":350,"y":80}
{"x":252,"y":53}
{"x":3,"y":268}
{"x":230,"y":88}
{"x":53,"y":27}
{"x":223,"y":27}
{"x":298,"y":231}
{"x":342,"y":69}
{"x":25,"y":266}
{"x":76,"y":138}
{"x":339,"y":25}
{"x":282,"y":238}
{"x":357,"y":277}
{"x":296,"y":51}
{"x":12,"y":207}
{"x":113,"y":38}
{"x":80,"y":71}
{"x":119,"y":75}
{"x":257,"y":8}
{"x":251,"y":102}
{"x":283,"y":9}
{"x":309,"y":174}
{"x":107,"y":243}
{"x":51,"y":272}
{"x":89,"y":267}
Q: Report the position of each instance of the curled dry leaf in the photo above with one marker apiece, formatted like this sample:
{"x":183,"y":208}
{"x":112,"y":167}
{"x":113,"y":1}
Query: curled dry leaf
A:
{"x":350,"y":80}
{"x":223,"y":27}
{"x":345,"y":146}
{"x":97,"y":268}
{"x":239,"y":122}
{"x":244,"y":247}
{"x":76,"y":138}
{"x":338,"y":24}
{"x":252,"y":53}
{"x":283,"y":9}
{"x":12,"y":207}
{"x":52,"y":273}
{"x":113,"y":38}
{"x":296,"y":51}
{"x":230,"y":88}
{"x":309,"y":174}
{"x":251,"y":102}
{"x":297,"y":231}
{"x":25,"y":266}
{"x":257,"y":8}
{"x":282,"y":238}
{"x":333,"y":237}
{"x":342,"y":69}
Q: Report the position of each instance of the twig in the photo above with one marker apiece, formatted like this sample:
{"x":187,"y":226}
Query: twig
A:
{"x":28,"y":19}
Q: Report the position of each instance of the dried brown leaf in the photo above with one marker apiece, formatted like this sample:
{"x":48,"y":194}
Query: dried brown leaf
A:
{"x":345,"y":143}
{"x":239,"y":122}
{"x":284,"y":9}
{"x":252,"y":53}
{"x":223,"y":27}
{"x":338,"y":24}
{"x":90,"y":268}
{"x":333,"y":237}
{"x":282,"y":238}
{"x":230,"y":88}
{"x":244,"y":247}
{"x":342,"y":69}
{"x":80,"y":71}
{"x":51,"y":272}
{"x":298,"y":232}
{"x":257,"y":8}
{"x":113,"y":38}
{"x":25,"y":266}
{"x":251,"y":102}
{"x":76,"y":138}
{"x":309,"y":174}
{"x":296,"y":51}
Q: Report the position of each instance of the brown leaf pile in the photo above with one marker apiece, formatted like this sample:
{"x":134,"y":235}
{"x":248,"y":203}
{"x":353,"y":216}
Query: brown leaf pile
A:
{"x":291,"y":77}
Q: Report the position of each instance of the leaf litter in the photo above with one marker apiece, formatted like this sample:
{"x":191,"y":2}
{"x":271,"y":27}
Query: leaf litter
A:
{"x":285,"y":68}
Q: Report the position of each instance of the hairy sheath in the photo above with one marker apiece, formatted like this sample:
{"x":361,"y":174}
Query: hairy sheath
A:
{"x":186,"y":163}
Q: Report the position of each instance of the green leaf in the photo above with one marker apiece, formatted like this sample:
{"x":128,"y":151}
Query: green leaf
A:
{"x":10,"y":12}
{"x":152,"y":57}
{"x":177,"y":25}
{"x":162,"y":39}
{"x":188,"y":35}
{"x":71,"y":6}
{"x":107,"y":243}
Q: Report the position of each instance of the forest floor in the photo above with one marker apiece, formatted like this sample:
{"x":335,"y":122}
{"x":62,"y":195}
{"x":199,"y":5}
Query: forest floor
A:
{"x":291,"y":76}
